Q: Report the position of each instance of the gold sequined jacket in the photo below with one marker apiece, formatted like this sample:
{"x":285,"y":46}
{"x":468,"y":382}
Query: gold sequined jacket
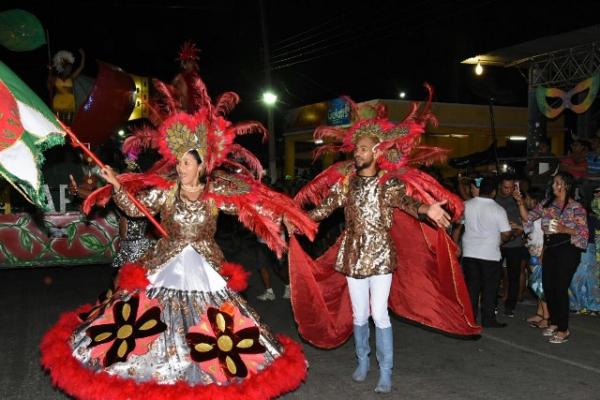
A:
{"x":366,"y":246}
{"x":186,"y":222}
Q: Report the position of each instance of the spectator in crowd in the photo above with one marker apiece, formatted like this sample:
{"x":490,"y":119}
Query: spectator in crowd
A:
{"x":576,"y":162}
{"x":535,"y":244}
{"x":473,"y":191}
{"x":593,"y":172}
{"x":513,"y":251}
{"x":584,"y":292}
{"x":468,"y":186}
{"x":265,"y":260}
{"x":486,"y":226}
{"x":543,"y":165}
{"x":565,"y":237}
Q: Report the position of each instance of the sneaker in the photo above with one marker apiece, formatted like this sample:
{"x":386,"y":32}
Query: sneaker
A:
{"x":267,"y":295}
{"x":286,"y":292}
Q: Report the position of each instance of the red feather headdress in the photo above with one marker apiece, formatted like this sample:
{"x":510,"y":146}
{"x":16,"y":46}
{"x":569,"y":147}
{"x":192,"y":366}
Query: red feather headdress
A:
{"x":204,"y":129}
{"x":188,"y":52}
{"x":400,"y":147}
{"x":399,"y":142}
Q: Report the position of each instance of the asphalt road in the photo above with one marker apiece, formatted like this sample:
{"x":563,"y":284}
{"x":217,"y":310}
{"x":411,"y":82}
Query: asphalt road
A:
{"x":511,"y":363}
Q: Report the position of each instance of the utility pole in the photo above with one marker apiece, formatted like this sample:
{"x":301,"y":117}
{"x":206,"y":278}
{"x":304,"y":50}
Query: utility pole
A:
{"x":267,"y":67}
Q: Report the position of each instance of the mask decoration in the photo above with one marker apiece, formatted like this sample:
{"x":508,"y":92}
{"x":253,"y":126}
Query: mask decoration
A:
{"x":543,"y":93}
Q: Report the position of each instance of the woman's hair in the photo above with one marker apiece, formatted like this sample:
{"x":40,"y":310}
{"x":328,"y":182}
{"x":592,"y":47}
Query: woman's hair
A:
{"x":569,"y":181}
{"x":194,"y":153}
{"x":535,"y":194}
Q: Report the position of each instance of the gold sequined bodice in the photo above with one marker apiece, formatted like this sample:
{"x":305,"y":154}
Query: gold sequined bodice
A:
{"x":186,"y":222}
{"x":366,"y":247}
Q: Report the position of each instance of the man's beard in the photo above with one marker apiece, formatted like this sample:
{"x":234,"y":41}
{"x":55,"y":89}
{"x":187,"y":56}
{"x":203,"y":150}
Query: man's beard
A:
{"x":360,"y":165}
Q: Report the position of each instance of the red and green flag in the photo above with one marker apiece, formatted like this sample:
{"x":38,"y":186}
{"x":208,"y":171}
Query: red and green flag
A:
{"x":27,"y":128}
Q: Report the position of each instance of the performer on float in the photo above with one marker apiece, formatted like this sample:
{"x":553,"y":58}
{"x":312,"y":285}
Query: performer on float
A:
{"x":184,"y":80}
{"x":384,"y":200}
{"x":175,"y":328}
{"x":60,"y":83}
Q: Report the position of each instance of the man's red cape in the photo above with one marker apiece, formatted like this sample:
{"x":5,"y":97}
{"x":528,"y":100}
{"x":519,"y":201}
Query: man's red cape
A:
{"x":428,"y":286}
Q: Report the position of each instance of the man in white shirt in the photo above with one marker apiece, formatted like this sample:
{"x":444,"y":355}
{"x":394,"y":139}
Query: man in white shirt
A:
{"x":486,"y":227}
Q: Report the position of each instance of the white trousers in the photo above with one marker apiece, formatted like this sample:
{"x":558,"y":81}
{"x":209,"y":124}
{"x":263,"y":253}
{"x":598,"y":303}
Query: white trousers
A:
{"x":369,"y":296}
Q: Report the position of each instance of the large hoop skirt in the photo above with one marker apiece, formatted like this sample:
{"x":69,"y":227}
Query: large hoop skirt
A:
{"x":179,"y":333}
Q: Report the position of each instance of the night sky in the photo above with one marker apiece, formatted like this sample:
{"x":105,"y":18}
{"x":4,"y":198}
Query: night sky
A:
{"x":320,"y":49}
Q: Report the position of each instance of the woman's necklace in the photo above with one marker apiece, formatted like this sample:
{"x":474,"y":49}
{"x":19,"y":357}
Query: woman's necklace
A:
{"x":191,"y":189}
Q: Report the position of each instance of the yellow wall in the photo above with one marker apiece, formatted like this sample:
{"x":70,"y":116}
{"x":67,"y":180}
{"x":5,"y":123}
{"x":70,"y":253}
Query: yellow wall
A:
{"x":463,"y":128}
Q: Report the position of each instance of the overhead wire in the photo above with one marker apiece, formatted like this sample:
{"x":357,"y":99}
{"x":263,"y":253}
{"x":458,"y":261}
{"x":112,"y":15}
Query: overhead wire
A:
{"x":277,"y":65}
{"x":349,"y":38}
{"x":306,"y":37}
{"x":342,"y":30}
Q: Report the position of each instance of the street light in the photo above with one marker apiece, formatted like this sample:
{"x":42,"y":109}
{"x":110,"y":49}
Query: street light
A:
{"x":478,"y":69}
{"x":402,"y":95}
{"x":269,"y":98}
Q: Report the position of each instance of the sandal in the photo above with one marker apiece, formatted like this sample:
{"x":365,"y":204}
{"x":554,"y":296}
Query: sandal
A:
{"x":556,"y":339}
{"x":541,"y":324}
{"x":537,"y":318}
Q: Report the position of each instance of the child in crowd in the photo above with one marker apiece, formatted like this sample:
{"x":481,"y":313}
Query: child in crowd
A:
{"x":535,"y":244}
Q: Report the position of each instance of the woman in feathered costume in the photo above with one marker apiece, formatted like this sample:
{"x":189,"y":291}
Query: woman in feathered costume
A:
{"x":394,"y":249}
{"x":175,"y":328}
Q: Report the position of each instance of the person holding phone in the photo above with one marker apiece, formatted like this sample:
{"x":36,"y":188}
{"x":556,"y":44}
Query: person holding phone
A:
{"x":565,"y":237}
{"x":514,"y":250}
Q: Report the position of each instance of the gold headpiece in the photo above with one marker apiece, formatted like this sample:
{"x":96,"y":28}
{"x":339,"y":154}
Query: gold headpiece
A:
{"x":374,"y":129}
{"x":180,"y":139}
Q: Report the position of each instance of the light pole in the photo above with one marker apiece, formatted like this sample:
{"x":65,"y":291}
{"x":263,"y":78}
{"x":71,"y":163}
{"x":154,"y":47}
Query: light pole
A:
{"x":268,"y":97}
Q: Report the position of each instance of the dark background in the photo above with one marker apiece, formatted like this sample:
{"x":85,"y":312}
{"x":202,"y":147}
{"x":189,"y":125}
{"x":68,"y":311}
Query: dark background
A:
{"x":319,"y":49}
{"x":363,"y":49}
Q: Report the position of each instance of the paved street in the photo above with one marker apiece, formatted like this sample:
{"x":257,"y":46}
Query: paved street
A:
{"x":511,"y":363}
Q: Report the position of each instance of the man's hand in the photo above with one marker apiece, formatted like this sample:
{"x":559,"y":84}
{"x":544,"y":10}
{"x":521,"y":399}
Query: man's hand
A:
{"x":436,"y":213}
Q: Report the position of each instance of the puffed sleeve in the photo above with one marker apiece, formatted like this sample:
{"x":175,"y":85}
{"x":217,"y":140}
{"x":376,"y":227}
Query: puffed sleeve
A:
{"x":152,"y":199}
{"x":580,"y":220}
{"x":533,"y":215}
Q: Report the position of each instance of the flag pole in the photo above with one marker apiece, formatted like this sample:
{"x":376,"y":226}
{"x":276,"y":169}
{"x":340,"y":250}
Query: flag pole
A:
{"x":136,"y":202}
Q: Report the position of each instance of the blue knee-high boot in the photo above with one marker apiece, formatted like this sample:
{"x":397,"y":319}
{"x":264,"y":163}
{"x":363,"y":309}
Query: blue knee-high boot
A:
{"x":361,"y":345}
{"x":385,"y":357}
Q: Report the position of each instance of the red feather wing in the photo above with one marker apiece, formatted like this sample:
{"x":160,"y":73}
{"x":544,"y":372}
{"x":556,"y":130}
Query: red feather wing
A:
{"x":318,"y":189}
{"x":260,"y":209}
{"x":427,"y":189}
